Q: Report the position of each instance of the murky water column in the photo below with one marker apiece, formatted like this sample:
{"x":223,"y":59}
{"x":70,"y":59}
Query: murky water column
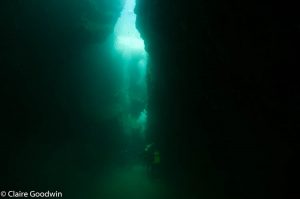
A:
{"x":130,"y":45}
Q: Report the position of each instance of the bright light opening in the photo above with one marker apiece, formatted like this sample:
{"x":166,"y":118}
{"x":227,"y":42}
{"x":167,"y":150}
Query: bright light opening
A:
{"x":130,"y":45}
{"x":127,"y":36}
{"x":124,"y":43}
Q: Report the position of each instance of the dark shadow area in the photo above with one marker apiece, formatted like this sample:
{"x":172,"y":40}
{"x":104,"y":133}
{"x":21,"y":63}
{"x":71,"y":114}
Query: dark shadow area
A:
{"x":224,"y":98}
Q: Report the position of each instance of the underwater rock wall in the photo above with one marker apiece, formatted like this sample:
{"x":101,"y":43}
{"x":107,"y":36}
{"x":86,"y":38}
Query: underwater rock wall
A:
{"x":223,"y":93}
{"x":50,"y":136}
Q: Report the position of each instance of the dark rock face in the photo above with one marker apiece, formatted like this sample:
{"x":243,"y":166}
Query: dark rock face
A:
{"x":49,"y":140}
{"x":224,"y":94}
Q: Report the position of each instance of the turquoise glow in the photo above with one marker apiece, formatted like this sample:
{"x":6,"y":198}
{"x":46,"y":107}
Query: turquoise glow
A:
{"x":127,"y":36}
{"x":130,"y":45}
{"x":142,"y":120}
